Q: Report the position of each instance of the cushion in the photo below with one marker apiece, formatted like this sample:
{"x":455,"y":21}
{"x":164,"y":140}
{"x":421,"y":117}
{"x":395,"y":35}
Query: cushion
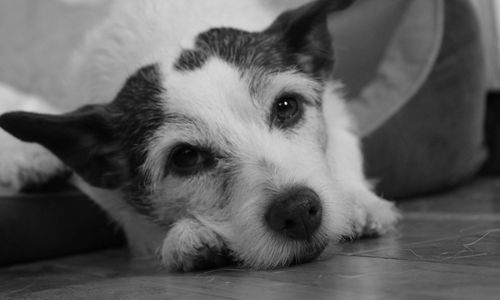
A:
{"x":34,"y":226}
{"x":421,"y":114}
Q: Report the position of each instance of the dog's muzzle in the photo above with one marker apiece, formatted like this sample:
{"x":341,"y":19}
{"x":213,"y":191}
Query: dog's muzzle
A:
{"x":295,"y":214}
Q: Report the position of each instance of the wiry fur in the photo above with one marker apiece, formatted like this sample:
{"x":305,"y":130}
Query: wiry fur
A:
{"x":212,"y":93}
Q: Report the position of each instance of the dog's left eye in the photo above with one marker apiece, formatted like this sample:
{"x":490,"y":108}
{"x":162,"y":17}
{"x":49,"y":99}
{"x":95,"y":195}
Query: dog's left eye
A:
{"x":187,"y":160}
{"x":287,"y":111}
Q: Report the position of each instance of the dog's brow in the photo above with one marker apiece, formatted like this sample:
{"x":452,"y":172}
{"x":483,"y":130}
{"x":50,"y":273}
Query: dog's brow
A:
{"x":180,"y":119}
{"x":262,"y":83}
{"x":309,"y":100}
{"x":184,"y":122}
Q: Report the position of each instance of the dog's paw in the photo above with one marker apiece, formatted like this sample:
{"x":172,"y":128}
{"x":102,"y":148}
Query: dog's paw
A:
{"x":381,"y":218}
{"x":24,"y":166}
{"x":374,"y":217}
{"x":191,"y":246}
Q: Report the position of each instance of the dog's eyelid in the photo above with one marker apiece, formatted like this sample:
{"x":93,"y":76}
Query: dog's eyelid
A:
{"x":299,"y":96}
{"x":188,"y":159}
{"x":310,"y":102}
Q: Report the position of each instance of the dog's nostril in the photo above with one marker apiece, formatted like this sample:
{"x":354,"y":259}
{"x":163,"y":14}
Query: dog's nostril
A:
{"x":295,"y":214}
{"x":289,"y":224}
{"x":313,"y":211}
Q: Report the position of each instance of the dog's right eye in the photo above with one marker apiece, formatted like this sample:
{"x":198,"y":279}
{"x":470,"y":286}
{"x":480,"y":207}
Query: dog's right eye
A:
{"x":187,"y":160}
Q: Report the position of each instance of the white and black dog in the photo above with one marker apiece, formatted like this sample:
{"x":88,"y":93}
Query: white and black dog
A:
{"x":211,"y":134}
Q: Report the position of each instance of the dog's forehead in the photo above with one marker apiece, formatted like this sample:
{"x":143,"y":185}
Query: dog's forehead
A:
{"x":216,"y":88}
{"x":221,"y":90}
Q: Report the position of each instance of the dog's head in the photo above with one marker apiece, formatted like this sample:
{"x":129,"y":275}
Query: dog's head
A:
{"x":232,"y":134}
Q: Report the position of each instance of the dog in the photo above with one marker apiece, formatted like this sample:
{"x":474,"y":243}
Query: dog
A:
{"x":211,"y":135}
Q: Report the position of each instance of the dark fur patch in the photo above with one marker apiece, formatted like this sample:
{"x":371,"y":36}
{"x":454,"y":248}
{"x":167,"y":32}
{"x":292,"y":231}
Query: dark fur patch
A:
{"x":139,"y":111}
{"x":137,"y":114}
{"x":243,"y":49}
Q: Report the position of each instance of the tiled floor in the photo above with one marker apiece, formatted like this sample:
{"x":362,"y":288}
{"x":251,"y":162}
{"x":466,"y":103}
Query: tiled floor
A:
{"x":448,"y":246}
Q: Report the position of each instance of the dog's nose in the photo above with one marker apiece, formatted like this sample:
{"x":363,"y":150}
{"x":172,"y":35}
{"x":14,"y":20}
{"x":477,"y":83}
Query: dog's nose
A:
{"x":295,"y":214}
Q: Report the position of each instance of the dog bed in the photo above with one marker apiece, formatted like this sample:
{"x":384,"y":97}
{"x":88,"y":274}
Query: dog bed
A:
{"x":420,"y":98}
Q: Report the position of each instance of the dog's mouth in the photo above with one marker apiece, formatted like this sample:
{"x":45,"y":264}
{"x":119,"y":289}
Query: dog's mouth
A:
{"x":311,"y":252}
{"x":210,"y":258}
{"x":302,"y":252}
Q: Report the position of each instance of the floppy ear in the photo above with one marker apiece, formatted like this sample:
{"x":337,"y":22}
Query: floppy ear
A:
{"x":83,"y":139}
{"x":305,"y":32}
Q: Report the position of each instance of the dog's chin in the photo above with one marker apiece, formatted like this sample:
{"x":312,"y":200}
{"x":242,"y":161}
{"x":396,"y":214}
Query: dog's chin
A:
{"x":208,"y":259}
{"x":293,"y":253}
{"x":309,"y":256}
{"x":311,"y":252}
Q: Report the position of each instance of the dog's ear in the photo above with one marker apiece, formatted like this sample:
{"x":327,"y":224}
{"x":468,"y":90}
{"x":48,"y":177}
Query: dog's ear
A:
{"x":83,"y":139}
{"x":304,"y":31}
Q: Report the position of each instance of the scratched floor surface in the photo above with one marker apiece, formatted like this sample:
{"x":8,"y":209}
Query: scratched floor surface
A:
{"x":448,"y":246}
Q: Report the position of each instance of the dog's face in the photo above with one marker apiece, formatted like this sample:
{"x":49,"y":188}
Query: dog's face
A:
{"x":232,"y":134}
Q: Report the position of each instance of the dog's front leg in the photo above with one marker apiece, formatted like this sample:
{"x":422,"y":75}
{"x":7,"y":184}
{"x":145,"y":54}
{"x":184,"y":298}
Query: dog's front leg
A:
{"x":372,"y":216}
{"x":190,"y":245}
